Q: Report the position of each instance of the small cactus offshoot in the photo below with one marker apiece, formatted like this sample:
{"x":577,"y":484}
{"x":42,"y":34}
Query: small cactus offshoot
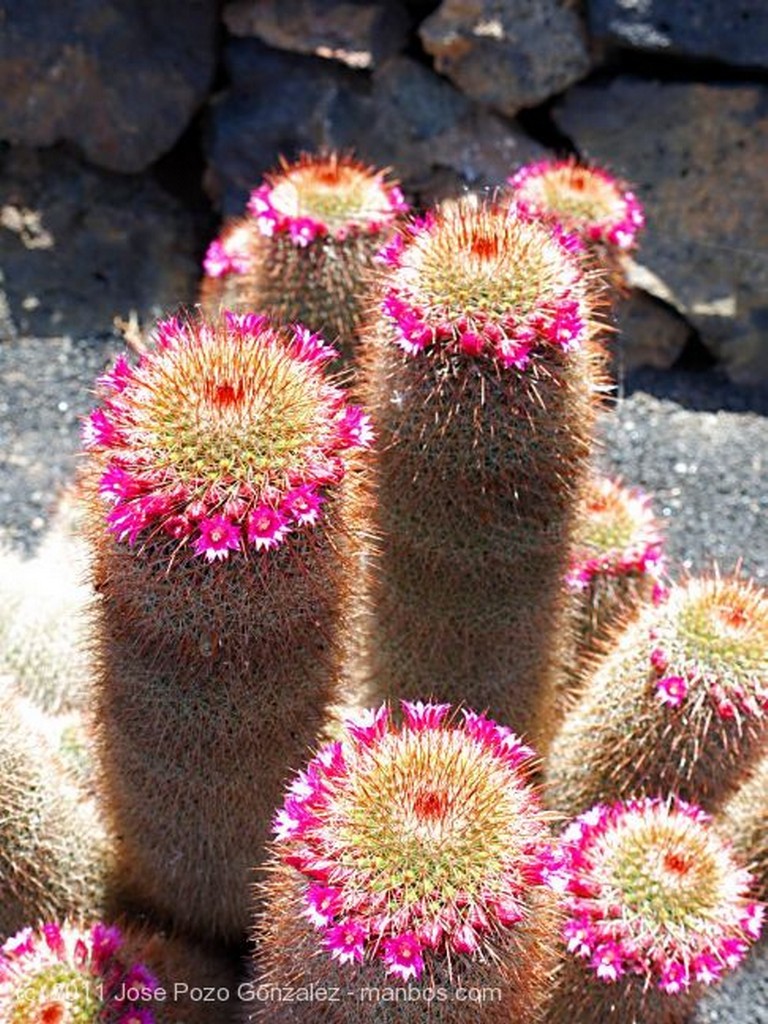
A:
{"x":411,"y":853}
{"x":616,"y":565}
{"x":679,"y":705}
{"x":305,"y":248}
{"x":657,"y":908}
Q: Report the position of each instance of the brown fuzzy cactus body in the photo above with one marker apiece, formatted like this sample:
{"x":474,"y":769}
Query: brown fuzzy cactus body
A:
{"x":478,"y":473}
{"x":220,"y":618}
{"x":53,"y":853}
{"x":744,"y":821}
{"x":678,"y":706}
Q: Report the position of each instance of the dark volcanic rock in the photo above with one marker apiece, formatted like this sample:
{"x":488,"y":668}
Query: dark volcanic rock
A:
{"x":403,"y":116}
{"x":732,"y":31}
{"x":120,"y":82}
{"x":650,"y":334}
{"x":509,"y":54}
{"x":79,"y":246}
{"x":357,"y":33}
{"x":698,"y":155}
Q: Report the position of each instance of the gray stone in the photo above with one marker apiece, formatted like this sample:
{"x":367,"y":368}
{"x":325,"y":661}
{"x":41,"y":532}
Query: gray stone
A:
{"x":402,"y":116}
{"x":650,"y":334}
{"x":79,"y":246}
{"x":121,"y":80}
{"x":508,"y":54}
{"x":731,"y":31}
{"x":358,"y":33}
{"x":698,"y":154}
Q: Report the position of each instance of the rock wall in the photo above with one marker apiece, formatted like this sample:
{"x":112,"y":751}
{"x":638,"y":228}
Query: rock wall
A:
{"x":128,"y":128}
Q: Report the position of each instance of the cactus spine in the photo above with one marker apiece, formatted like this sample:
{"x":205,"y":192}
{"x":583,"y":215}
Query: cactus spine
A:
{"x":221,"y":533}
{"x":409,"y":855}
{"x":52,"y":847}
{"x":744,"y":819}
{"x":657,"y":907}
{"x":482,"y":385}
{"x":680,"y":704}
{"x":305,"y":249}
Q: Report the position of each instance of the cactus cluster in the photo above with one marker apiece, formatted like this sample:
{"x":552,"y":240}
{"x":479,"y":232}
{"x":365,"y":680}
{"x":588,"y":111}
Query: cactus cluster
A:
{"x":263,"y":554}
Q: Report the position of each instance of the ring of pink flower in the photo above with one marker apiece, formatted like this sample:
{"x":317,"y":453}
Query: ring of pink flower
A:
{"x":675,"y":678}
{"x":91,"y":953}
{"x":620,"y":230}
{"x":599,"y":930}
{"x":356,"y":923}
{"x":302,"y":231}
{"x":511,"y":339}
{"x":213,"y":522}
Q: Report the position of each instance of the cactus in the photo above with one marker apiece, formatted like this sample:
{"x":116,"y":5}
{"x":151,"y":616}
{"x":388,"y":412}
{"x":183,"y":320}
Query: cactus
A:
{"x":744,"y":819}
{"x":43,"y":641}
{"x":223,"y":554}
{"x":53,"y":853}
{"x":615,"y":567}
{"x":409,"y":856}
{"x":304,"y":251}
{"x":587,"y":202}
{"x":680,"y":704}
{"x":482,"y":384}
{"x":657,"y":908}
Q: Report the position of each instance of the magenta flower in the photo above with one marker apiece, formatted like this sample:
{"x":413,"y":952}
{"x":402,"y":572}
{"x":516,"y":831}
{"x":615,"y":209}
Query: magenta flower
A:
{"x":582,"y":201}
{"x":672,"y":690}
{"x":652,"y":891}
{"x":229,"y":254}
{"x":325,"y":196}
{"x":64,"y":973}
{"x":415,"y":841}
{"x":480,"y":281}
{"x":226,"y":437}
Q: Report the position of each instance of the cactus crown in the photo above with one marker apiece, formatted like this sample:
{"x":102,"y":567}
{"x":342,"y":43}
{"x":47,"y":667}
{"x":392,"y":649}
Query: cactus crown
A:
{"x":710,"y":643}
{"x":414,"y":839}
{"x":475,"y":277}
{"x":651,"y":889}
{"x":585,"y":200}
{"x":616,"y":534}
{"x":224,"y":436}
{"x":66,"y":975}
{"x":326,"y":195}
{"x":232,"y":251}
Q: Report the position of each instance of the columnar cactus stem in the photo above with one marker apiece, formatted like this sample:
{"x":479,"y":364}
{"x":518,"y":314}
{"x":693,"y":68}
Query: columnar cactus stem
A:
{"x":585,"y":201}
{"x":482,"y":384}
{"x":615,"y":569}
{"x":409,"y":856}
{"x":657,"y":908}
{"x":744,"y":819}
{"x":222,"y":551}
{"x":53,"y":858}
{"x":307,"y":245}
{"x":681,"y":704}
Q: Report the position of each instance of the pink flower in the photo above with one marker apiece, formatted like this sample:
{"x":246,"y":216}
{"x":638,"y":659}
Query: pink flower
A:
{"x":672,"y":690}
{"x":659,"y":659}
{"x":355,"y":428}
{"x":216,"y":262}
{"x":706,"y":968}
{"x":311,"y":347}
{"x":368,"y":726}
{"x":464,"y":939}
{"x":303,"y":230}
{"x":607,"y":962}
{"x":402,"y":955}
{"x":674,"y":978}
{"x":218,"y":536}
{"x":292,"y":819}
{"x":752,"y":920}
{"x":423,"y":716}
{"x":303,"y":504}
{"x":323,"y":904}
{"x":346,"y":942}
{"x":267,"y":527}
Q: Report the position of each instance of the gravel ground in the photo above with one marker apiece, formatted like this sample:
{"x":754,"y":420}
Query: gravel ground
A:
{"x":697,"y":443}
